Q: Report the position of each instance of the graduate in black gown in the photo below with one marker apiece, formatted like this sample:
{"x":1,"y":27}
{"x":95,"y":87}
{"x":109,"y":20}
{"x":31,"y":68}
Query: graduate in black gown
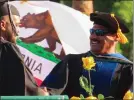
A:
{"x":15,"y":77}
{"x":114,"y":72}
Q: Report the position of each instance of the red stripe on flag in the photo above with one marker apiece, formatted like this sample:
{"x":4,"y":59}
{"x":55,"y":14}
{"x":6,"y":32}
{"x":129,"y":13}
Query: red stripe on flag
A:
{"x":38,"y":81}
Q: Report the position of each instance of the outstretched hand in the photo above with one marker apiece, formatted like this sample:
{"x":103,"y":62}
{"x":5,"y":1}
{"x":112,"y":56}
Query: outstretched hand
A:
{"x":46,"y":93}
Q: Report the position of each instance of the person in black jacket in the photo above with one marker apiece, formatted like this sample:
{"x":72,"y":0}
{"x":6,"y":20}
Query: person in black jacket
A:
{"x":114,"y":72}
{"x":15,"y":77}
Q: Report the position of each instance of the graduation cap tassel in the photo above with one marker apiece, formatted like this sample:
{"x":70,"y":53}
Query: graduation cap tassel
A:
{"x":121,"y":36}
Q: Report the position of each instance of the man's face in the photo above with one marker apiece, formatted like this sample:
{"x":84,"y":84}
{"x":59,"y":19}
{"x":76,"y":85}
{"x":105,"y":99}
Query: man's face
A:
{"x":8,"y":33}
{"x":101,"y":43}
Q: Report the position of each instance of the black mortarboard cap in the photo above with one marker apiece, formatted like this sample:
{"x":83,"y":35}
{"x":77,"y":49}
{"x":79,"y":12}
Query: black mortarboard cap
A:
{"x":106,"y":20}
{"x":8,"y":9}
{"x":4,"y":8}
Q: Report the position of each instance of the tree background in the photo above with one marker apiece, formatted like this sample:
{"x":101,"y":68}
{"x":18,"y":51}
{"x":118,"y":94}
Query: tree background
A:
{"x":121,"y":8}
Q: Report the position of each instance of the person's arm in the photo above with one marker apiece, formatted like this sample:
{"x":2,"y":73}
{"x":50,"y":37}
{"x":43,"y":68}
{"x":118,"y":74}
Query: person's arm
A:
{"x":11,"y":71}
{"x":122,"y":80}
{"x":126,"y":79}
{"x":31,"y":87}
{"x":57,"y":80}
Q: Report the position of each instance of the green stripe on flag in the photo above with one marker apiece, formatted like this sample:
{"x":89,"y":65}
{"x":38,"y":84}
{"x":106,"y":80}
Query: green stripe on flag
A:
{"x":38,"y":50}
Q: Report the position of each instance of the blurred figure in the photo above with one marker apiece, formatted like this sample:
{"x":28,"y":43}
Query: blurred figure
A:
{"x":114,"y":72}
{"x":15,"y":77}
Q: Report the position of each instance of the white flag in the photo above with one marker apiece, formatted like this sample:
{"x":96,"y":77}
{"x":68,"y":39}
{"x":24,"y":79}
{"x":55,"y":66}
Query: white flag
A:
{"x":48,"y":32}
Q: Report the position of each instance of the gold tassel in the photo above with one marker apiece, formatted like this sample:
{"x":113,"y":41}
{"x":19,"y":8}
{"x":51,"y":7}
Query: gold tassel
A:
{"x":122,"y":37}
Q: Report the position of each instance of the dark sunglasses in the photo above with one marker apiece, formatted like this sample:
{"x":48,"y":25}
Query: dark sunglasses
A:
{"x":98,"y":32}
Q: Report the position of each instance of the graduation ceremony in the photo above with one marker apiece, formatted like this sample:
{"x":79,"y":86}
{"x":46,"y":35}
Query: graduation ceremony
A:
{"x":66,"y":50}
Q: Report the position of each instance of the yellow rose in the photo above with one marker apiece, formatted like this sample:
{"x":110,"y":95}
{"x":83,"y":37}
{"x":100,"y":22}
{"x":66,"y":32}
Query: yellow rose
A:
{"x":91,"y":98}
{"x":75,"y":98}
{"x":88,"y":63}
{"x":128,"y":95}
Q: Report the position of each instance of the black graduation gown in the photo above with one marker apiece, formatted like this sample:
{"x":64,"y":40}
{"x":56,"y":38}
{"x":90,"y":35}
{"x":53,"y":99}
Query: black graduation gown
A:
{"x":15,"y":77}
{"x":64,"y":78}
{"x":12,"y":81}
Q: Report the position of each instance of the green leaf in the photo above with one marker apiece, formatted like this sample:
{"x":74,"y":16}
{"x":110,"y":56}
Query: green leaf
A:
{"x":81,"y":96}
{"x":92,"y":86}
{"x":101,"y":97}
{"x":90,"y":91}
{"x":83,"y":82}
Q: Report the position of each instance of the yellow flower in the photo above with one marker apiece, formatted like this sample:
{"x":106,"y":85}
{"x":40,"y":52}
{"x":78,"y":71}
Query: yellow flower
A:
{"x":88,"y":63}
{"x":128,"y":95}
{"x":91,"y":98}
{"x":75,"y":98}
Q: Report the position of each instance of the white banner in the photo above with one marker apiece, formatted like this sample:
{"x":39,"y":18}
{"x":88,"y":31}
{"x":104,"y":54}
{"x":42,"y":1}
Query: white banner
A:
{"x":49,"y":31}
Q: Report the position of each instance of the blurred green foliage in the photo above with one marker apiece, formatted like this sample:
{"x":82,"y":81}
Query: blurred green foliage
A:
{"x":103,"y":5}
{"x":121,"y":8}
{"x":124,"y":10}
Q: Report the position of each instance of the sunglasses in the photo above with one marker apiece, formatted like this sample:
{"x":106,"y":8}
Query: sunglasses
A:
{"x":98,"y":32}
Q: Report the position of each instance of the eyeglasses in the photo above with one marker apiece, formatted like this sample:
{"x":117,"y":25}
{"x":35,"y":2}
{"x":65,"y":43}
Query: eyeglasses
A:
{"x":98,"y":32}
